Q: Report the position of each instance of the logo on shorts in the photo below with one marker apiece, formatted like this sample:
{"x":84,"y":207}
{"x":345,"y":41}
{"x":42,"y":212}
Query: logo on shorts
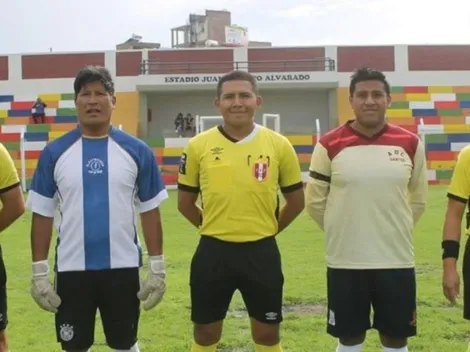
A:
{"x":66,"y":332}
{"x":271,"y":316}
{"x":331,"y":318}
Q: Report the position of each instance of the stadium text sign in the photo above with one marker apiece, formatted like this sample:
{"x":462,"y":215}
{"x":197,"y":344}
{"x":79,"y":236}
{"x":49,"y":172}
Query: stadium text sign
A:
{"x":275,"y":77}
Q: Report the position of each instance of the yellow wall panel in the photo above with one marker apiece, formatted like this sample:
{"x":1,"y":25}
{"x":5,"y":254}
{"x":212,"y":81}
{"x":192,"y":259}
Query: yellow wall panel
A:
{"x":127,"y":112}
{"x":56,"y":134}
{"x":418,"y":97}
{"x":300,"y":140}
{"x":50,"y":97}
{"x":30,"y":164}
{"x":399,"y":113}
{"x":440,"y":89}
{"x":442,"y":164}
{"x":456,"y":128}
{"x":344,"y":109}
{"x":172,"y":151}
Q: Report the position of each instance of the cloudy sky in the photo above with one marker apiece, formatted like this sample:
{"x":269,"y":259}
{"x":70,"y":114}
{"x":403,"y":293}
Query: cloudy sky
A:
{"x":68,"y":25}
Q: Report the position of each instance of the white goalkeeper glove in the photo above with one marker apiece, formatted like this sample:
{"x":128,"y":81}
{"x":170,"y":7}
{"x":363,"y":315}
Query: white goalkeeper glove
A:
{"x":42,"y":290}
{"x":153,"y":287}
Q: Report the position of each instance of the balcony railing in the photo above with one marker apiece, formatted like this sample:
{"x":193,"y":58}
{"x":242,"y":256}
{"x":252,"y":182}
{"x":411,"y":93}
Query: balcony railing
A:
{"x":156,"y":67}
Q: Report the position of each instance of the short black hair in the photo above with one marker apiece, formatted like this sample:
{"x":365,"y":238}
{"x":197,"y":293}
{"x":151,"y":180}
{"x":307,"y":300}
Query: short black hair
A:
{"x":91,"y":74}
{"x":364,"y":74}
{"x":237,"y":75}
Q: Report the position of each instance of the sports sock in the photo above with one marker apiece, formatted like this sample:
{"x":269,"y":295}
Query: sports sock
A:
{"x":343,"y":348}
{"x":199,"y":348}
{"x":134,"y":348}
{"x":401,"y":349}
{"x":275,"y":348}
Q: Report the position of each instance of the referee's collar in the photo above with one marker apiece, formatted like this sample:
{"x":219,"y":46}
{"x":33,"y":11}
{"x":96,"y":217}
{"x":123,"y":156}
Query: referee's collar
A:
{"x":247,"y":139}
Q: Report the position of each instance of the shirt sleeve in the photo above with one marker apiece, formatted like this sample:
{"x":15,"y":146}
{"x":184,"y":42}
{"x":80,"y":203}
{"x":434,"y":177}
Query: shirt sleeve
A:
{"x":188,"y":174}
{"x":8,"y":175}
{"x":459,"y":188}
{"x":43,"y":186}
{"x":290,"y":174}
{"x":418,"y":186}
{"x":318,"y":184}
{"x":151,"y":189}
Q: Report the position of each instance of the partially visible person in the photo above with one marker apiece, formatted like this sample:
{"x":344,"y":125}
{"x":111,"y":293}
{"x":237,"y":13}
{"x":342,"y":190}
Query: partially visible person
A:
{"x":39,"y":111}
{"x":238,"y":169}
{"x":99,"y":179}
{"x":367,"y":189}
{"x":179,"y":124}
{"x":458,"y":196}
{"x":189,"y":126}
{"x":12,"y":207}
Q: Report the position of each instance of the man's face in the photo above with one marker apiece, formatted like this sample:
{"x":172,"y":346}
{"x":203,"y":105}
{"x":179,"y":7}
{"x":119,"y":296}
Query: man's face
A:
{"x":369,"y":103}
{"x":238,"y":103}
{"x":94,"y":105}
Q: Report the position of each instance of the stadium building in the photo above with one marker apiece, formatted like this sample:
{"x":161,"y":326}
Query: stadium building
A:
{"x":305,"y":91}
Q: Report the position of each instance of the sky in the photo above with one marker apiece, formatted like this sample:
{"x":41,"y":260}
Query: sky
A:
{"x":29,"y":26}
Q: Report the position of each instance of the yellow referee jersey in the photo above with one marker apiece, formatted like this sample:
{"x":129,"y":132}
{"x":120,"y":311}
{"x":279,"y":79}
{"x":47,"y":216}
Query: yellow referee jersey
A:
{"x":239,"y":181}
{"x":459,"y":188}
{"x":8,"y":174}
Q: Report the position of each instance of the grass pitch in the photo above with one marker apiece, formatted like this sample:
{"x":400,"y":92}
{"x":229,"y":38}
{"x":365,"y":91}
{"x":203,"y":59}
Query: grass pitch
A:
{"x":167,"y":328}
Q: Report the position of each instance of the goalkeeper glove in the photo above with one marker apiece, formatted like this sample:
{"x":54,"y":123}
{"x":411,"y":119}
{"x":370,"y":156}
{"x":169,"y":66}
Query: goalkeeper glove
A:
{"x":41,"y":289}
{"x":153,"y":287}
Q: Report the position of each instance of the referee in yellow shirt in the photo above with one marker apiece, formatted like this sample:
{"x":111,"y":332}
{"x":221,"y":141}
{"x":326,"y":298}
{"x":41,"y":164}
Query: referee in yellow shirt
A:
{"x":458,"y":197}
{"x":12,"y":207}
{"x":238,"y":168}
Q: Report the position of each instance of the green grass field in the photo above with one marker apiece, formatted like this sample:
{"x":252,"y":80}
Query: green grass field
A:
{"x":167,"y":328}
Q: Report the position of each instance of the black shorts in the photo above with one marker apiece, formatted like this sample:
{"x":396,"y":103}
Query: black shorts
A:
{"x":3,"y":294}
{"x":220,"y":268}
{"x":113,"y":292}
{"x":466,"y":281}
{"x":390,"y":292}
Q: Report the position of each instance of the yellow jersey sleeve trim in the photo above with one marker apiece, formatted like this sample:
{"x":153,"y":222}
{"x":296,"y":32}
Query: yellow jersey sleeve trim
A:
{"x":188,"y":174}
{"x":8,"y":175}
{"x":460,"y":182}
{"x":290,"y":174}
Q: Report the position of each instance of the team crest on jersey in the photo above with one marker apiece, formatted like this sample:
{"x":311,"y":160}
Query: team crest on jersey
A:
{"x":260,"y":170}
{"x":95,"y":166}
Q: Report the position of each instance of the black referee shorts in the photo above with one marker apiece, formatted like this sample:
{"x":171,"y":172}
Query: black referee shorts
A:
{"x":466,"y":280}
{"x":220,"y":268}
{"x":3,"y":294}
{"x":113,"y":292}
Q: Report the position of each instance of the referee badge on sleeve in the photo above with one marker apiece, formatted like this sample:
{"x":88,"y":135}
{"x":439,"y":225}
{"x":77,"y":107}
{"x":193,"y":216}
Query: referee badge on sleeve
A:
{"x":183,"y":160}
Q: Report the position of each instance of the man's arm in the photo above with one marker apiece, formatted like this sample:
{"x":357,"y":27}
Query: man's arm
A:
{"x":318,"y":184}
{"x":188,"y":186}
{"x":11,"y":195}
{"x":151,"y":194}
{"x":458,"y":194}
{"x":292,"y":188}
{"x":41,"y":202}
{"x":418,"y":186}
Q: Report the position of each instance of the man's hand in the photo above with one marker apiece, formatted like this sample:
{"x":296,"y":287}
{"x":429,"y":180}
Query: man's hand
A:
{"x":451,"y":283}
{"x":41,"y":290}
{"x":153,"y":287}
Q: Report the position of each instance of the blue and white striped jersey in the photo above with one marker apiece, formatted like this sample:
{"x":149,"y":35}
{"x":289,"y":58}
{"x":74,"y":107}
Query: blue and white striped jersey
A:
{"x":95,"y":187}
